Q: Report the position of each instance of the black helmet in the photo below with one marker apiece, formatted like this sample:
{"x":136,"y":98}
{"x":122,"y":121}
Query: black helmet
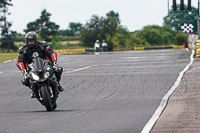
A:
{"x":31,"y":36}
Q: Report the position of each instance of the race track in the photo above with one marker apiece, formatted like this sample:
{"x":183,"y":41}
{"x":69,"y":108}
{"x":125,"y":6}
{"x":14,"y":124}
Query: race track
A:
{"x":111,"y":92}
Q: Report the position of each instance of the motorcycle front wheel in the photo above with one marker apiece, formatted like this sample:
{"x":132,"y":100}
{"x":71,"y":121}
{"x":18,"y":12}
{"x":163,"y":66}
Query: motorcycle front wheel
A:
{"x":46,"y":98}
{"x":54,"y":106}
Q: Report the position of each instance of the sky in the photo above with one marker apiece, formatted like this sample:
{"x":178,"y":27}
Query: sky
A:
{"x":134,"y":14}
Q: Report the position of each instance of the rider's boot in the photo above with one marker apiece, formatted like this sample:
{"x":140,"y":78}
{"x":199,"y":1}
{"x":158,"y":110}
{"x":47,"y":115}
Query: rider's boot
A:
{"x":26,"y":83}
{"x":60,"y":88}
{"x":32,"y":95}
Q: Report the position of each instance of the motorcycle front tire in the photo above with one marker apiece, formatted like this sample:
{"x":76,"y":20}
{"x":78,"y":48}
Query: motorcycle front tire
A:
{"x":46,"y":98}
{"x":54,"y":106}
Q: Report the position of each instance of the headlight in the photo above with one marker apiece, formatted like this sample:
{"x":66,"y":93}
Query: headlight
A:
{"x":46,"y":75}
{"x":35,"y":77}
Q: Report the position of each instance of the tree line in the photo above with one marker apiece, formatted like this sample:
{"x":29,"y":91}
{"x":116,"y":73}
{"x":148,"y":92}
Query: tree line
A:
{"x":100,"y":28}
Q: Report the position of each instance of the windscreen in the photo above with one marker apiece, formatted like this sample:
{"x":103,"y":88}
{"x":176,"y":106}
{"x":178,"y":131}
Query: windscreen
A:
{"x":39,"y":65}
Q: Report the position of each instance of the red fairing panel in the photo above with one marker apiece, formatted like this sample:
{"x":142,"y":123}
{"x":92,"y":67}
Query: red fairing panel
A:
{"x":47,"y":58}
{"x":20,"y":65}
{"x":54,"y":56}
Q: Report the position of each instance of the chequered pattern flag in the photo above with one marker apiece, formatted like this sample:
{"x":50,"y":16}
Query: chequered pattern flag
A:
{"x":187,"y":28}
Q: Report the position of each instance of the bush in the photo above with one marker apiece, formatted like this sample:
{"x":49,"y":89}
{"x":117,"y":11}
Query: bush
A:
{"x":66,"y":38}
{"x":180,"y":38}
{"x":55,"y":43}
{"x":156,"y":35}
{"x":20,"y":38}
{"x":8,"y":45}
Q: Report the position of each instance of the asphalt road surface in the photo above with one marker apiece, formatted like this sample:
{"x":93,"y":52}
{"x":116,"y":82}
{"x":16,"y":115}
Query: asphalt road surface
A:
{"x":111,"y":92}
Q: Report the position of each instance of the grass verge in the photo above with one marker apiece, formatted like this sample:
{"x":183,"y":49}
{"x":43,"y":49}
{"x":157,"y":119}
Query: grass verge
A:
{"x":8,"y":56}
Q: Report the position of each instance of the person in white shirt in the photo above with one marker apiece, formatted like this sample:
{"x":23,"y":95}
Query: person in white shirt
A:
{"x":97,"y":45}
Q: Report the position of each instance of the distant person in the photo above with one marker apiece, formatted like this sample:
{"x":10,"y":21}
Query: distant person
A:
{"x":186,"y":44}
{"x":104,"y":45}
{"x":97,"y":46}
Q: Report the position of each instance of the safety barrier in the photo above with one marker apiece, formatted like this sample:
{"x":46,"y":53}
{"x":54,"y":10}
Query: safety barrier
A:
{"x":90,"y":50}
{"x":71,"y":51}
{"x":197,"y":50}
{"x":178,"y":46}
{"x":139,"y":48}
{"x":135,"y":48}
{"x":158,"y":47}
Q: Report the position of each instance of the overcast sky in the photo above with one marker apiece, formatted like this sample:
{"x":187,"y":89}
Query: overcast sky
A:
{"x":134,"y":14}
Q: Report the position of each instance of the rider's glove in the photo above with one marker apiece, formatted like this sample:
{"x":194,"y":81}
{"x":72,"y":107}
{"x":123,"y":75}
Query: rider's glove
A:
{"x":57,"y":68}
{"x":25,"y":79}
{"x":24,"y":73}
{"x":55,"y":65}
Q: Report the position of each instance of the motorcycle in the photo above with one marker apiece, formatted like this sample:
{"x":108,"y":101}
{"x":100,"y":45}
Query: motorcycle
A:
{"x":104,"y":48}
{"x":97,"y":49}
{"x":43,"y":82}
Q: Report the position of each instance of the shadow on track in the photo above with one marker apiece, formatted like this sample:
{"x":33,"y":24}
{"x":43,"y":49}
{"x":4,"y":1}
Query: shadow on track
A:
{"x":41,"y":111}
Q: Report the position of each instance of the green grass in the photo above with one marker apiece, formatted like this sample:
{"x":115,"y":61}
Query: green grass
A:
{"x":18,"y":44}
{"x":8,"y":56}
{"x":4,"y":56}
{"x":69,"y":42}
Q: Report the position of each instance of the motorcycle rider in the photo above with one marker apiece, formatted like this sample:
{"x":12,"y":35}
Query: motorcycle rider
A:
{"x":97,"y":45}
{"x":104,"y":45}
{"x":31,"y":48}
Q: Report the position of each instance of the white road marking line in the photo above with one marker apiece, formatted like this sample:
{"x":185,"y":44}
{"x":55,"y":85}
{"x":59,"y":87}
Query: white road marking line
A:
{"x":165,"y":99}
{"x":79,"y":69}
{"x":9,"y":61}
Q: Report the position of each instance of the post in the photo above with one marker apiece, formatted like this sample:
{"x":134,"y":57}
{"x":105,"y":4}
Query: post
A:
{"x":199,"y":7}
{"x":198,"y":28}
{"x":199,"y":19}
{"x":168,"y":6}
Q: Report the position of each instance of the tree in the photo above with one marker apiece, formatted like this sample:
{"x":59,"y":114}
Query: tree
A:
{"x":180,"y":38}
{"x":92,"y":30}
{"x":66,"y":32}
{"x":7,"y":35}
{"x":43,"y":26}
{"x":112,"y":26}
{"x":122,"y":39}
{"x":156,"y":35}
{"x":74,"y":29}
{"x":100,"y":28}
{"x":113,"y":15}
{"x":175,"y":20}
